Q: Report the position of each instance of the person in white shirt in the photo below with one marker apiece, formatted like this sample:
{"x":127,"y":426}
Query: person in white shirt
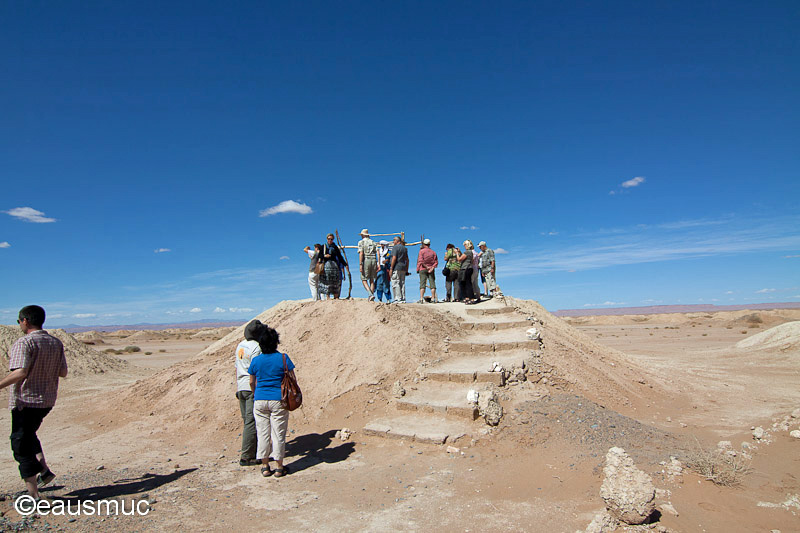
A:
{"x":245,"y":352}
{"x":313,"y":277}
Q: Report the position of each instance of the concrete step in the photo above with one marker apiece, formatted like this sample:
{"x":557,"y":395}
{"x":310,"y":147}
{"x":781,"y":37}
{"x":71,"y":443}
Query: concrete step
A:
{"x":485,"y":347}
{"x":489,"y":311}
{"x":494,"y":326}
{"x":436,"y":397}
{"x":419,"y":428}
{"x":475,"y":369}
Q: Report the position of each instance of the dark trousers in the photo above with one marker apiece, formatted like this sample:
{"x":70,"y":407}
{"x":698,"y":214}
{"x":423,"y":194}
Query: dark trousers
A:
{"x":249,"y":435}
{"x":25,"y":422}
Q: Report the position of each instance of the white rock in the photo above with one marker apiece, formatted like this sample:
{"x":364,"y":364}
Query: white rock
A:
{"x":667,"y":508}
{"x":496,"y":367}
{"x":343,"y":434}
{"x":473,"y":396}
{"x":602,"y":522}
{"x":796,"y":413}
{"x":533,"y":334}
{"x":489,"y":408}
{"x":758,"y":433}
{"x":628,"y":492}
{"x":452,"y":449}
{"x":795,"y":434}
{"x":724,"y":445}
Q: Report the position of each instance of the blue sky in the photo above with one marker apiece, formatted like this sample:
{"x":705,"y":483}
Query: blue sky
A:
{"x":622,"y":153}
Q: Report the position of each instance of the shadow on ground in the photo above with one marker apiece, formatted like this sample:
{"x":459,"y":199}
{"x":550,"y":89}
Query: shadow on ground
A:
{"x":124,"y":487}
{"x":314,"y":448}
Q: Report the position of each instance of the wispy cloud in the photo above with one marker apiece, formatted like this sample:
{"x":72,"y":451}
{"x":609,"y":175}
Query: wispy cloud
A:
{"x":500,"y":251}
{"x":195,"y":310}
{"x":764,"y":291}
{"x":648,"y":244}
{"x":5,"y":244}
{"x":469,"y":227}
{"x":240,"y":310}
{"x":287,"y":206}
{"x":549,"y":233}
{"x":29,"y":214}
{"x":633,"y":182}
{"x":84,"y":315}
{"x":219,"y":310}
{"x":162,"y":250}
{"x":606,"y":303}
{"x":283,"y":257}
{"x":785,"y":256}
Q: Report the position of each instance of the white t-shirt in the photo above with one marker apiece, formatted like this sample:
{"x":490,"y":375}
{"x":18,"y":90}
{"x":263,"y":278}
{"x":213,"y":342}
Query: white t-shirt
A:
{"x":244,"y":354}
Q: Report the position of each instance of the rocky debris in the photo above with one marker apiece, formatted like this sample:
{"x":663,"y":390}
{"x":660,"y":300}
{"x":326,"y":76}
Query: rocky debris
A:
{"x":516,"y":375}
{"x":795,"y":434}
{"x":489,"y":408}
{"x":628,"y":492}
{"x":795,"y":413}
{"x":602,"y":522}
{"x":759,"y":434}
{"x":667,"y":508}
{"x":673,"y":470}
{"x":496,"y":367}
{"x":453,"y":449}
{"x":343,"y":434}
{"x":534,"y":334}
{"x":397,"y":390}
{"x":792,"y":501}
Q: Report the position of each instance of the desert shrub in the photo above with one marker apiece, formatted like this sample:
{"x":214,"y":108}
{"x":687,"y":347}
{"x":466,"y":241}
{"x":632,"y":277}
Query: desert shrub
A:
{"x":705,"y":334}
{"x":755,"y":318}
{"x":744,"y":332}
{"x":718,"y":466}
{"x":110,"y":350}
{"x":162,"y":350}
{"x":131,"y":349}
{"x":148,"y":353}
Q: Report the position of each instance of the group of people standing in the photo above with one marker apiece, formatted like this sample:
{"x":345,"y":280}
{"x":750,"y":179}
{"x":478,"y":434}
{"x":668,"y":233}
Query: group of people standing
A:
{"x":383,"y":270}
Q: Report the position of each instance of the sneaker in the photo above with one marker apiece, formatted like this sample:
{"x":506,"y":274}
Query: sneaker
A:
{"x":45,"y":478}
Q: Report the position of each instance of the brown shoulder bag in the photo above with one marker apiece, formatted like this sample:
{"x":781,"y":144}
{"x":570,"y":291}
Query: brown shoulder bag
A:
{"x":291,"y":396}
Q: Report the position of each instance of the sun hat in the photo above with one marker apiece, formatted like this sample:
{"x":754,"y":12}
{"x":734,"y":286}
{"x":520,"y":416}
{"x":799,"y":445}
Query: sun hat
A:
{"x":482,"y":243}
{"x":365,"y":231}
{"x":426,"y":241}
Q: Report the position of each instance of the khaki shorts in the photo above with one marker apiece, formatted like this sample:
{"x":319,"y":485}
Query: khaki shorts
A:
{"x":425,"y":276}
{"x":370,"y":270}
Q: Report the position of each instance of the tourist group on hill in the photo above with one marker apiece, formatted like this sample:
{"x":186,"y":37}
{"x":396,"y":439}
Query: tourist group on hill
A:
{"x":384,"y":266}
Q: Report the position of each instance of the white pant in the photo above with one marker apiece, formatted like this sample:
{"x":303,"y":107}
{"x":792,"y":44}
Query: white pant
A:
{"x":313,"y":285}
{"x":271,"y":423}
{"x":399,"y":285}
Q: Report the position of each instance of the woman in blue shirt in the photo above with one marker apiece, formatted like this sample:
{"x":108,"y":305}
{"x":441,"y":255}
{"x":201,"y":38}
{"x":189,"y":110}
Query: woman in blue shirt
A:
{"x":266,"y":374}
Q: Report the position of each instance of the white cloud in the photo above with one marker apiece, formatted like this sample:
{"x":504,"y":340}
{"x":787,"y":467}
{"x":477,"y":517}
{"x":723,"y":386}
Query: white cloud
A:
{"x":57,"y":315}
{"x":195,"y":310}
{"x":240,"y":310}
{"x":283,"y":257}
{"x":162,"y":250}
{"x":785,"y":256}
{"x":604,"y":303}
{"x":728,"y":292}
{"x":287,"y":206}
{"x":84,"y":315}
{"x":500,"y":251}
{"x":634,"y":182}
{"x":4,"y":244}
{"x":612,"y":193}
{"x":469,"y":227}
{"x":219,"y":310}
{"x":763,"y":291}
{"x":29,"y":214}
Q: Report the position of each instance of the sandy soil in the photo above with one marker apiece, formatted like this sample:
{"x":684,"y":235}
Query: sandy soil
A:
{"x":165,"y":429}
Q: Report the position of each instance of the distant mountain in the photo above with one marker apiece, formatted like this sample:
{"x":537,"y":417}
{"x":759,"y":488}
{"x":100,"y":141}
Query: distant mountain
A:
{"x":660,"y":309}
{"x":205,"y":323}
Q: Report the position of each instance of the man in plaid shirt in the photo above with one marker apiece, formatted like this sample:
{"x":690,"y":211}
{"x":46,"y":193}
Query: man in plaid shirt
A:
{"x":36,"y":361}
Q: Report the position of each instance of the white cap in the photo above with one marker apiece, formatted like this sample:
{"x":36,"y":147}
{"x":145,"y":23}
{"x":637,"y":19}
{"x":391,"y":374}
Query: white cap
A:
{"x":426,"y":241}
{"x":482,"y":243}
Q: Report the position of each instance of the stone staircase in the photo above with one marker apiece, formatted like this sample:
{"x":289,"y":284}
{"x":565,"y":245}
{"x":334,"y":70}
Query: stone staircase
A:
{"x":435,"y":410}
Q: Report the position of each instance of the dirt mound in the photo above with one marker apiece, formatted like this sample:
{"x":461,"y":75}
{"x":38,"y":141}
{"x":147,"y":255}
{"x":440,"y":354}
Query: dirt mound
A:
{"x":785,"y":337}
{"x":146,"y":335}
{"x":89,"y":337}
{"x":598,"y":372}
{"x":81,"y":358}
{"x":212,"y":333}
{"x":337,"y":345}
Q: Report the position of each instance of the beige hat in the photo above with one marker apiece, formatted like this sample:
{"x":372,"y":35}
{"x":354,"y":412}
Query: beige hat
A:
{"x":365,"y":231}
{"x":482,"y":243}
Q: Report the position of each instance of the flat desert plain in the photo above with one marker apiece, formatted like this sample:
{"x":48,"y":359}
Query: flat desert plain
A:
{"x":161,"y":424}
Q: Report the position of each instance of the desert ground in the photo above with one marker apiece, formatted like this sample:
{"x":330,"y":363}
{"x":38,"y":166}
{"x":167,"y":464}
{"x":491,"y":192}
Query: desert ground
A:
{"x":161,"y":424}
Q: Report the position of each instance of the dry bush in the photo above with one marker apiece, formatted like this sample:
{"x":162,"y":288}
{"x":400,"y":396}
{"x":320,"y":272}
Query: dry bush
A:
{"x":718,"y":466}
